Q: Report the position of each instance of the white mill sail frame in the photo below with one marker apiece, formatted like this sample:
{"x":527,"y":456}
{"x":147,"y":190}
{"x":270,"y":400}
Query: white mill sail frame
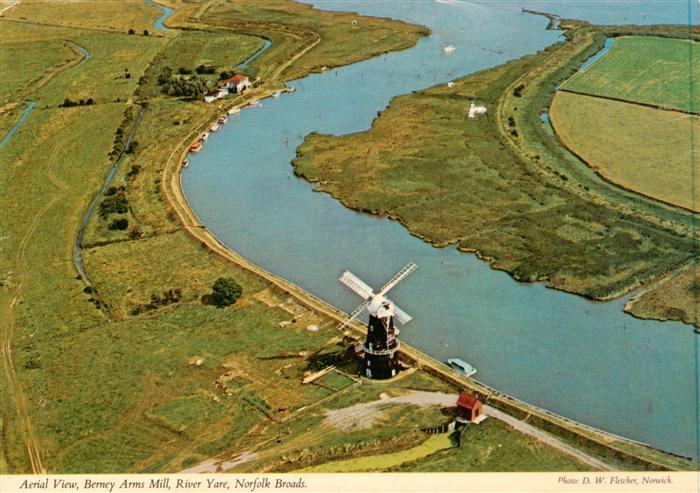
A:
{"x":364,"y":291}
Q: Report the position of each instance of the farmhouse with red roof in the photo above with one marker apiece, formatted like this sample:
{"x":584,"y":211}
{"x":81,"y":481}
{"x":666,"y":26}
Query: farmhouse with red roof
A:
{"x":238,"y":83}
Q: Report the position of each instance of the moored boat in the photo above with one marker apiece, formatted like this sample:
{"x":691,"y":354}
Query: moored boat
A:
{"x":195,"y":148}
{"x":214,"y":127}
{"x":448,"y":49}
{"x":461,"y":367}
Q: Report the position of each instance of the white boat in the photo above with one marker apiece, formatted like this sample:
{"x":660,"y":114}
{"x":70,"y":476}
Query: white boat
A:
{"x":214,"y":127}
{"x":205,"y":136}
{"x":448,"y":49}
{"x":223,"y":120}
{"x":461,"y":367}
{"x":276,"y":94}
{"x":185,"y":163}
{"x":234,"y":111}
{"x":255,"y":104}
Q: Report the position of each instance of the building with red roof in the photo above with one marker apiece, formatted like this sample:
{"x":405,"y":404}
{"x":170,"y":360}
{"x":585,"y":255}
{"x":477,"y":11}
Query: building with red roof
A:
{"x":469,"y":408}
{"x":238,"y":83}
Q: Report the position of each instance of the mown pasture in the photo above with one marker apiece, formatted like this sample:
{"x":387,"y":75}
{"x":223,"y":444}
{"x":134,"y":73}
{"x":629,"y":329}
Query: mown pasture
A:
{"x":652,"y":70}
{"x":639,"y":148}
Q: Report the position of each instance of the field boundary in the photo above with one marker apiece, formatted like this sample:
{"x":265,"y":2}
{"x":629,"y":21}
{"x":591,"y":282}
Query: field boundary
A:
{"x":629,"y":101}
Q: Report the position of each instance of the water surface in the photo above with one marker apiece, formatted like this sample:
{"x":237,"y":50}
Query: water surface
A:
{"x":167,"y":12}
{"x":585,"y":360}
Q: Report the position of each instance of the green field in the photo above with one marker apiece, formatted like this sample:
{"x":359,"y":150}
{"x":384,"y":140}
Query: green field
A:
{"x":652,"y":70}
{"x":119,"y":15}
{"x":643,"y":149}
{"x":490,"y":446}
{"x":431,"y":445}
{"x":40,"y":61}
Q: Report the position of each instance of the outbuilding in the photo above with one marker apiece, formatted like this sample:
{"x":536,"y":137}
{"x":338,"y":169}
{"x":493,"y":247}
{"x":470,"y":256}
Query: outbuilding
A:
{"x":238,"y":83}
{"x":211,"y":96}
{"x":469,"y":408}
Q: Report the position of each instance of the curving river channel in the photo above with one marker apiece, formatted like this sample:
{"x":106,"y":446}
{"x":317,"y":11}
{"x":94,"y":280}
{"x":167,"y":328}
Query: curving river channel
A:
{"x":584,"y":360}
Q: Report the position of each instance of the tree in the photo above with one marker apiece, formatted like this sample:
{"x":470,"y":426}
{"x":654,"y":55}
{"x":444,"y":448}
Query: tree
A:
{"x":119,"y":224}
{"x":131,"y":31}
{"x":145,"y":32}
{"x":225,"y":291}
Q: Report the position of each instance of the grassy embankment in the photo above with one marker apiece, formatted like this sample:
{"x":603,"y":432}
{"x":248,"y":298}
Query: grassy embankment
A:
{"x":88,"y":394}
{"x":500,"y":184}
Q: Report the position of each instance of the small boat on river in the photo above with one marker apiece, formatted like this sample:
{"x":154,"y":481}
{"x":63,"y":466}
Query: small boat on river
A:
{"x":223,"y":120}
{"x":214,"y":127}
{"x":195,"y":148}
{"x":234,"y":111}
{"x":448,"y":49}
{"x":204,"y":136}
{"x":461,"y":367}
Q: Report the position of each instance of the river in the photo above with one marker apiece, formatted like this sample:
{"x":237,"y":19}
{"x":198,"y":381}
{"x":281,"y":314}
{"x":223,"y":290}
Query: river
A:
{"x":585,"y":360}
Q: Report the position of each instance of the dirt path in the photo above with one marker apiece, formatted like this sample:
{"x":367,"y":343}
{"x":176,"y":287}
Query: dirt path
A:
{"x":546,"y":438}
{"x":9,"y":318}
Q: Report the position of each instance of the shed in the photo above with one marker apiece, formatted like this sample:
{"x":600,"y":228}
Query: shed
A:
{"x":469,"y":407}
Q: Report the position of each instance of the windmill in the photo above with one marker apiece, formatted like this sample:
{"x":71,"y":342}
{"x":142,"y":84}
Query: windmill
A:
{"x":380,"y":360}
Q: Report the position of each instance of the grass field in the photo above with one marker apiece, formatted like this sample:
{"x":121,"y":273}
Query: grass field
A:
{"x":643,"y":149}
{"x":649,"y":70}
{"x":40,"y":60}
{"x":431,"y":445}
{"x":467,"y":187}
{"x":493,"y":446}
{"x":119,"y":15}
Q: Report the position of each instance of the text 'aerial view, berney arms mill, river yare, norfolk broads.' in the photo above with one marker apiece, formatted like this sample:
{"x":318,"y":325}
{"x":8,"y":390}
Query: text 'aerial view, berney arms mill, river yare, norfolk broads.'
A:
{"x":250,"y":244}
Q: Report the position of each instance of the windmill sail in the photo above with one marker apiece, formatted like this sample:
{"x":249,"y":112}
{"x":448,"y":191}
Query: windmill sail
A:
{"x":407,"y":269}
{"x":356,"y":284}
{"x":355,"y":313}
{"x":401,"y":315}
